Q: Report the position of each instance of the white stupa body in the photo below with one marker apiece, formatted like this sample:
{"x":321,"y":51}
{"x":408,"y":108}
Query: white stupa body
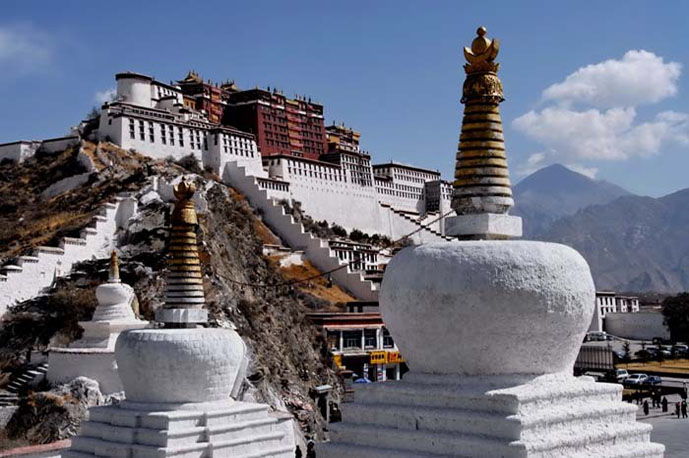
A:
{"x":490,"y":330}
{"x":93,"y":355}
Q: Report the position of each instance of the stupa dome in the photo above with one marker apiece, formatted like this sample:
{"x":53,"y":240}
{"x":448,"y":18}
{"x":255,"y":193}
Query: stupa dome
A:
{"x":462,"y":307}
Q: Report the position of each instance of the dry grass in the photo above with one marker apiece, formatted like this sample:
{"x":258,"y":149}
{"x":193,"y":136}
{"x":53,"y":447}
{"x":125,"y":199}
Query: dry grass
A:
{"x":317,"y":287}
{"x":266,"y":235}
{"x":28,"y":220}
{"x":670,"y":366}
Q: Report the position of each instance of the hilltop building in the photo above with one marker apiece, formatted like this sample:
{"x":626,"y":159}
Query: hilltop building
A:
{"x":282,"y":126}
{"x":206,"y":96}
{"x":282,"y":143}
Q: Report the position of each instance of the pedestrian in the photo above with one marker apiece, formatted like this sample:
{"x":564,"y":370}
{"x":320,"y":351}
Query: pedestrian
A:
{"x":684,"y":408}
{"x":664,"y":403}
{"x":297,"y":452}
{"x":677,"y":409}
{"x":645,"y":407}
{"x":311,"y":449}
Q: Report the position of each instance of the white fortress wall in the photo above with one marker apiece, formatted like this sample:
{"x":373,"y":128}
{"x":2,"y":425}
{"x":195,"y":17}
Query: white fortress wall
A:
{"x":225,"y":145}
{"x":153,"y":132}
{"x":57,"y":145}
{"x":293,"y":234}
{"x":638,"y":325}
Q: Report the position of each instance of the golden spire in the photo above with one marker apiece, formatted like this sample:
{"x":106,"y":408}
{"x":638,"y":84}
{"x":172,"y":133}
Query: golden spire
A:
{"x":482,"y":183}
{"x":184,"y":281}
{"x":114,"y":274}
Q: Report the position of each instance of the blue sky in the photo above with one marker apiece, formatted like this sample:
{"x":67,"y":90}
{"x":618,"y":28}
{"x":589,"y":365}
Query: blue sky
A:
{"x":599,"y":86}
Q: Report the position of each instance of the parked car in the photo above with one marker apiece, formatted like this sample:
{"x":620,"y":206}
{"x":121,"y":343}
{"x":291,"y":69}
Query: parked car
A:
{"x":597,"y":336}
{"x":621,"y":374}
{"x":644,"y":354}
{"x":681,"y":349}
{"x":653,"y":380}
{"x":635,"y":379}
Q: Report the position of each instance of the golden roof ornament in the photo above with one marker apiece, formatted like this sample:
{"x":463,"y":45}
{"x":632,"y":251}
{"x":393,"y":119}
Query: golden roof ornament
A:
{"x":482,"y":182}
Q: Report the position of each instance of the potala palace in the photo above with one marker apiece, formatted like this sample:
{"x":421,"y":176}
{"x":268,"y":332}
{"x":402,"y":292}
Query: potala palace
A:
{"x":334,"y":181}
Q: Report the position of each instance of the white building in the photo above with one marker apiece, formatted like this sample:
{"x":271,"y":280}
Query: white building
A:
{"x":150,"y":117}
{"x":609,"y":302}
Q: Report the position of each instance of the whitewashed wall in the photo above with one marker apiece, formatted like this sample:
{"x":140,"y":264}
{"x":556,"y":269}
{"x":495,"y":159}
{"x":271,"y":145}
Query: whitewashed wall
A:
{"x":18,"y":151}
{"x":637,"y":326}
{"x":66,"y":364}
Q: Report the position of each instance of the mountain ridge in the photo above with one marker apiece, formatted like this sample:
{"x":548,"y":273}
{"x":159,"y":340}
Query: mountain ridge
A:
{"x":556,"y":191}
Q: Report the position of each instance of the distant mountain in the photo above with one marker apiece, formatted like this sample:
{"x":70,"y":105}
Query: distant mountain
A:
{"x":556,"y":191}
{"x":633,"y":243}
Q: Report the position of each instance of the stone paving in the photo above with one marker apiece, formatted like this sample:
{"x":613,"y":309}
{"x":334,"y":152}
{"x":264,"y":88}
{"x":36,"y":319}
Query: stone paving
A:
{"x":668,"y":429}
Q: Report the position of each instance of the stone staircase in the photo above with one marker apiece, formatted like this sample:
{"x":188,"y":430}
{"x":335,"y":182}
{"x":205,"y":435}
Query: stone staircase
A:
{"x":317,"y":250}
{"x":20,"y":381}
{"x":239,"y":430}
{"x":418,"y":223}
{"x":8,"y":399}
{"x":33,"y":273}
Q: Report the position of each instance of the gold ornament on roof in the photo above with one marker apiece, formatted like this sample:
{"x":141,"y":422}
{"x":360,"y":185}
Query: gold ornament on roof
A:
{"x":482,"y":53}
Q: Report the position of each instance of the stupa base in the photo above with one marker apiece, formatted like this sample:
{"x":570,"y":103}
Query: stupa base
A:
{"x":221,"y":429}
{"x":554,"y":416}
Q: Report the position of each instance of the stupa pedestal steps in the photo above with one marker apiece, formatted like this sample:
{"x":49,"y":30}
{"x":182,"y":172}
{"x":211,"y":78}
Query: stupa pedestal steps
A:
{"x":241,"y":430}
{"x":556,"y":416}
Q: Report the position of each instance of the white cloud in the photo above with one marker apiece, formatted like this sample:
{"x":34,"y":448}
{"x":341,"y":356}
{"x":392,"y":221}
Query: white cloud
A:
{"x":591,"y":116}
{"x":594,"y":134}
{"x":23,"y":49}
{"x":107,"y":95}
{"x":640,"y":77}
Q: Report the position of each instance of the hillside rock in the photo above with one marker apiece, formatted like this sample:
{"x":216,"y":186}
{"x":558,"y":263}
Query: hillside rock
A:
{"x":54,"y":415}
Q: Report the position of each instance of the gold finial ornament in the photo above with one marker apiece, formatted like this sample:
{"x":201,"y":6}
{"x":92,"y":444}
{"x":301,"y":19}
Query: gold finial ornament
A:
{"x":114,"y":273}
{"x":482,"y":183}
{"x":184,"y":281}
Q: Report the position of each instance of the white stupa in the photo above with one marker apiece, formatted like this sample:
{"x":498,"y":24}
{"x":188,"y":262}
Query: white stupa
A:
{"x":490,"y":329}
{"x":178,"y":379}
{"x":93,"y":355}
